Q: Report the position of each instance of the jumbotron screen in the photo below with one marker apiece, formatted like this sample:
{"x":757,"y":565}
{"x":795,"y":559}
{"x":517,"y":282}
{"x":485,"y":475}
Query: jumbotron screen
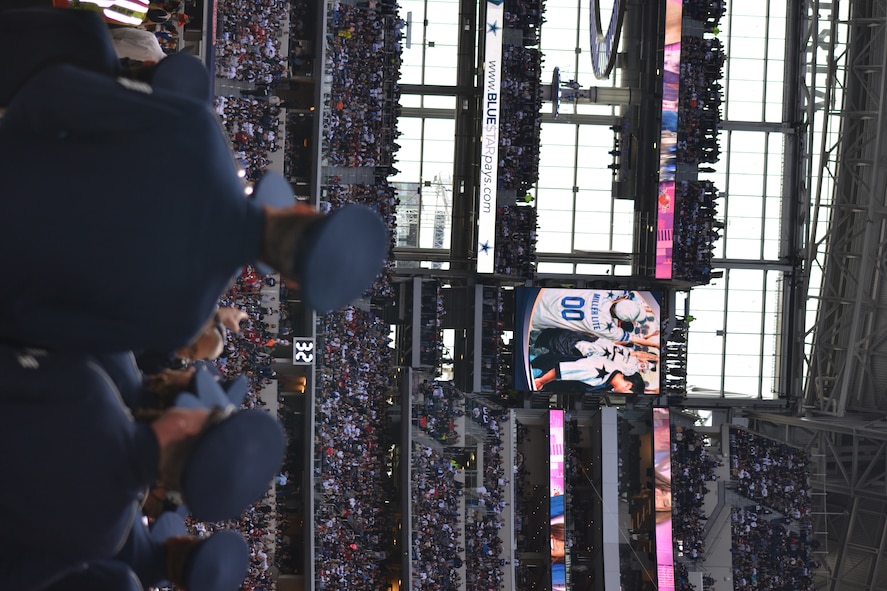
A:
{"x":671,"y":72}
{"x":587,"y":340}
{"x":662,"y":490}
{"x":556,"y":491}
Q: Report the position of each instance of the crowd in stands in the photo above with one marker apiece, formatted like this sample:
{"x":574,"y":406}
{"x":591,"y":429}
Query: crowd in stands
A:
{"x":166,"y":20}
{"x":258,"y":526}
{"x":690,"y":138}
{"x":771,"y":473}
{"x":248,"y":43}
{"x":520,"y":96}
{"x":682,"y":577}
{"x":675,"y":354}
{"x":361,"y":68}
{"x":699,"y":99}
{"x":516,"y":241}
{"x":769,"y":557}
{"x":436,"y":497}
{"x":771,"y":551}
{"x":247,"y":352}
{"x":520,"y":119}
{"x":352,"y":529}
{"x":252,"y":125}
{"x":359,"y":122}
{"x":527,"y":16}
{"x":484,"y":516}
{"x":709,"y":12}
{"x":436,"y":410}
{"x":431,"y":325}
{"x":695,"y":230}
{"x":692,"y":468}
{"x":495,"y":368}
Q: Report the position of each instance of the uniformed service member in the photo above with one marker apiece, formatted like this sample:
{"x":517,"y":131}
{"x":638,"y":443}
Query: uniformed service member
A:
{"x":78,"y":465}
{"x":103,"y":260}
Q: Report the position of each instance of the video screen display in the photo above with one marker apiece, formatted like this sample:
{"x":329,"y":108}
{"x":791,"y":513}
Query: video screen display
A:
{"x":662,"y":490}
{"x":671,"y":72}
{"x":556,"y":490}
{"x":587,"y":340}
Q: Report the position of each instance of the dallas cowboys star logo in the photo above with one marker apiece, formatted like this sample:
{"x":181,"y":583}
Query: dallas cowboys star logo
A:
{"x":493,"y":27}
{"x":485,"y":247}
{"x":601,"y":372}
{"x":609,"y":326}
{"x":610,"y":295}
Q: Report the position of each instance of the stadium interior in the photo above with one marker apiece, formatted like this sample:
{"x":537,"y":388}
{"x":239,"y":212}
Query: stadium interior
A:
{"x":697,"y":187}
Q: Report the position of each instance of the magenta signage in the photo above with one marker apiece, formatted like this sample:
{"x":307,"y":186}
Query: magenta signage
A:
{"x":556,"y":492}
{"x":662,"y":490}
{"x":665,"y":205}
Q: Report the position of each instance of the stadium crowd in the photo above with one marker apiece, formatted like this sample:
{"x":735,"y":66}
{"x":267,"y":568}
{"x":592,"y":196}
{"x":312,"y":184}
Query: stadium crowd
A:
{"x":769,"y":557}
{"x":436,"y":410}
{"x":708,"y":12}
{"x":521,"y":121}
{"x":247,"y":353}
{"x":495,"y":370}
{"x":362,"y":67}
{"x":252,"y":125}
{"x":771,"y":473}
{"x":431,"y":325}
{"x":483,"y":520}
{"x":248,"y":43}
{"x":695,"y":230}
{"x":521,"y":96}
{"x":692,"y":468}
{"x":436,"y":503}
{"x":675,"y":354}
{"x":516,"y":241}
{"x":352,"y":530}
{"x":699,"y":99}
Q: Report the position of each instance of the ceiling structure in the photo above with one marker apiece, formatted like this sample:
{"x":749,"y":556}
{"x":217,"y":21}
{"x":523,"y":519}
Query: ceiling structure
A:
{"x":797,"y":325}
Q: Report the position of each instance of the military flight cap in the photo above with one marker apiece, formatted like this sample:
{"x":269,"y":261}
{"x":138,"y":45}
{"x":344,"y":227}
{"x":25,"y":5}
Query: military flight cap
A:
{"x":340,"y":256}
{"x":232,"y":464}
{"x":219,"y":563}
{"x":207,"y":393}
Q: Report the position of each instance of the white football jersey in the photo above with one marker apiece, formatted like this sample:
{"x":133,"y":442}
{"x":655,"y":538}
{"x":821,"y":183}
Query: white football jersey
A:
{"x":580,"y":310}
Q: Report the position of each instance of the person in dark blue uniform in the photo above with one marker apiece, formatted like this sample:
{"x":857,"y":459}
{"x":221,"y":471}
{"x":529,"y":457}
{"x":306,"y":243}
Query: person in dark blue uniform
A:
{"x":100,"y":260}
{"x":78,"y":466}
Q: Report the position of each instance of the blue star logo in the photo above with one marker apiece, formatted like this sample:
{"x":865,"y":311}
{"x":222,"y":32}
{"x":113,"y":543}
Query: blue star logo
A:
{"x":601,"y":372}
{"x":609,"y":326}
{"x":493,"y":27}
{"x":485,"y":247}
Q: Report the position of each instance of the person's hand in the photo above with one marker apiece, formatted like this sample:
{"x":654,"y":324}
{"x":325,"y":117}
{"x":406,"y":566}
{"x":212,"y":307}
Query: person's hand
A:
{"x":177,"y":424}
{"x":231,"y":318}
